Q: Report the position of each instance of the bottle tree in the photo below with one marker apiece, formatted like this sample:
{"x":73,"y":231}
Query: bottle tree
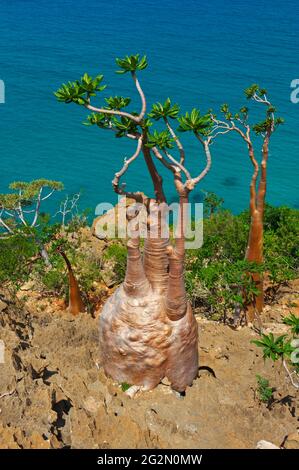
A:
{"x":239,"y":123}
{"x":76,"y":304}
{"x":147,"y":328}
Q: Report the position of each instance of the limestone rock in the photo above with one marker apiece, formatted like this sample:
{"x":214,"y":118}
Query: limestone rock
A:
{"x":292,"y":441}
{"x":266,"y":445}
{"x":3,"y":306}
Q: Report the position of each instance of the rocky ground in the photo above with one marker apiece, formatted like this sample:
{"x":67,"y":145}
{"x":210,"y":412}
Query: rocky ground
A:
{"x":53,"y":393}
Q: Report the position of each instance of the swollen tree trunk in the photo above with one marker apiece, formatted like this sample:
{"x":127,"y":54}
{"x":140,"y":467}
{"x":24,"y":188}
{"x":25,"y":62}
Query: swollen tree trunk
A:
{"x":147,"y":328}
{"x":76,"y":304}
{"x":254,"y":252}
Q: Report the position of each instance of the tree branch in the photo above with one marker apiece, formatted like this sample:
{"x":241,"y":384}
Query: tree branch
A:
{"x":178,"y":164}
{"x":296,"y":385}
{"x":112,"y":112}
{"x":37,"y":207}
{"x":138,"y":196}
{"x":141,"y":94}
{"x":263,"y":180}
{"x":156,"y":178}
{"x":206,"y":146}
{"x":177,"y":141}
{"x":163,"y":160}
{"x":253,"y":202}
{"x":4,"y":225}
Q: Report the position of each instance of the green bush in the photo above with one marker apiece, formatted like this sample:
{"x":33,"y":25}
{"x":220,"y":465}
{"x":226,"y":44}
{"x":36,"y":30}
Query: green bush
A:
{"x":16,"y":255}
{"x":117,"y":253}
{"x":264,"y":392}
{"x":284,"y":348}
{"x":55,"y":281}
{"x":216,"y":273}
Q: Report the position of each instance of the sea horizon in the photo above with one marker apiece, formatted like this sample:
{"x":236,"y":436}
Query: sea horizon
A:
{"x":199,"y":55}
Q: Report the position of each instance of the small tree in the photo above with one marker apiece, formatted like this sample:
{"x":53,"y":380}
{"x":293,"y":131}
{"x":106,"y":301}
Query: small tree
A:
{"x":147,"y":328}
{"x":238,"y":123}
{"x":20,"y":211}
{"x":212,"y":203}
{"x":283,"y":348}
{"x":76,"y":304}
{"x":68,"y":208}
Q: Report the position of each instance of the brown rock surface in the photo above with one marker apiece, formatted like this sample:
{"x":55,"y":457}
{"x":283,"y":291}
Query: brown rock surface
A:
{"x":53,"y":392}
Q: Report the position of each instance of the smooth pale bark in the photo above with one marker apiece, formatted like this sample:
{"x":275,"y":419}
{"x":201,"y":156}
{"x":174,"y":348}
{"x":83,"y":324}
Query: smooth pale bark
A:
{"x":176,"y":300}
{"x":142,"y":338}
{"x":254,"y":252}
{"x":135,"y":284}
{"x":155,"y":258}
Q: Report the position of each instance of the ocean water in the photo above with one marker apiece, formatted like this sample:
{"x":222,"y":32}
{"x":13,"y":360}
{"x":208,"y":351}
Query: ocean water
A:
{"x":200,"y":54}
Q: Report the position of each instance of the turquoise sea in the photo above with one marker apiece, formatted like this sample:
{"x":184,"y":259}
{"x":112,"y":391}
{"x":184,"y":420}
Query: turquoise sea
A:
{"x":200,"y":54}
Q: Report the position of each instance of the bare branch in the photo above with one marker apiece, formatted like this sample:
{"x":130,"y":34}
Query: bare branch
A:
{"x":296,"y":385}
{"x":19,"y":211}
{"x":178,"y":164}
{"x":4,"y":225}
{"x":112,"y":112}
{"x":163,"y":160}
{"x":231,"y":126}
{"x":8,"y":213}
{"x":259,"y":99}
{"x":141,"y":94}
{"x":177,"y":141}
{"x":68,"y":206}
{"x":120,"y":189}
{"x":206,"y":146}
{"x":48,"y":195}
{"x":37,"y":207}
{"x":219,"y":132}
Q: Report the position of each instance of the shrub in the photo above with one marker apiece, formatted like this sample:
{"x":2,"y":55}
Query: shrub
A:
{"x":16,"y":255}
{"x":118,"y":254}
{"x":264,"y":392}
{"x":282,"y":348}
{"x":216,"y":273}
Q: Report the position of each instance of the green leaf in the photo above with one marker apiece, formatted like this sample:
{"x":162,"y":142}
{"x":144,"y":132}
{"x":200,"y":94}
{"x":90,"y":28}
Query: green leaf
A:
{"x":292,"y":321}
{"x":195,"y":122}
{"x":79,"y":91}
{"x":163,"y":140}
{"x":131,"y":63}
{"x":117,"y":102}
{"x":160,"y":111}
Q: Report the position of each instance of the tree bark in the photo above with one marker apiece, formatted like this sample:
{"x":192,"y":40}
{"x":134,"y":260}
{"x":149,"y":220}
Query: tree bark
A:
{"x":254,"y":250}
{"x":155,"y":259}
{"x":142,"y":339}
{"x":254,"y":253}
{"x":76,"y":304}
{"x":156,"y":178}
{"x":176,"y":299}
